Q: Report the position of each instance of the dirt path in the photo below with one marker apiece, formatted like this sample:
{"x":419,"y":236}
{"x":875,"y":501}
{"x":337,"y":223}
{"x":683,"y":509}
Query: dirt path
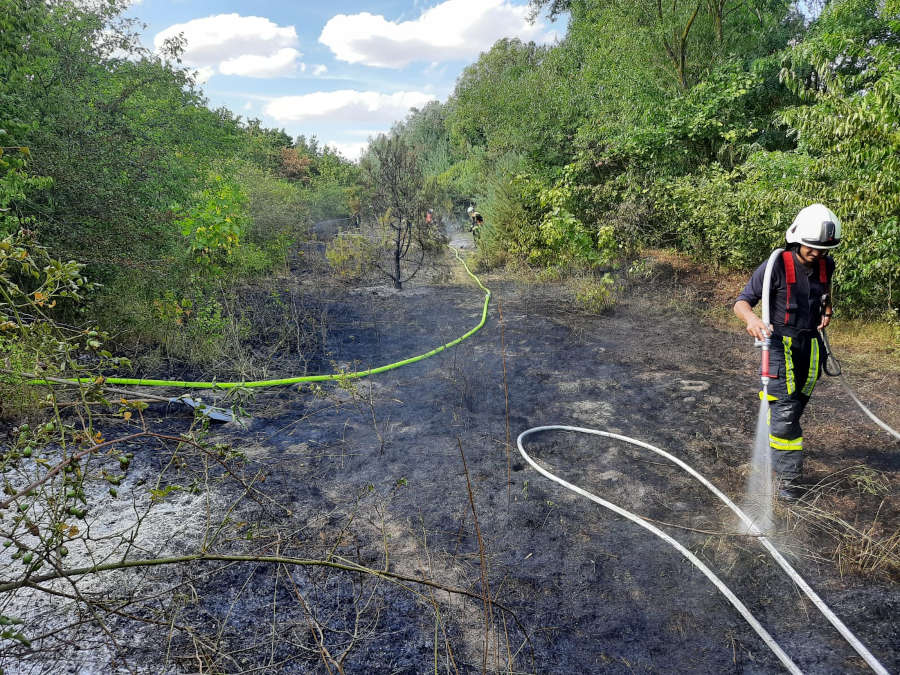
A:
{"x":374,"y":470}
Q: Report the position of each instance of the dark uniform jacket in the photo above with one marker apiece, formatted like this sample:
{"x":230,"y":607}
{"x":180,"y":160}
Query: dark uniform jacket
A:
{"x":806,"y":296}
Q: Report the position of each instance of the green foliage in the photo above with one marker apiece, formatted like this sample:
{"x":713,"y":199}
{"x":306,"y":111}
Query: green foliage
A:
{"x":113,"y":135}
{"x":512,"y":226}
{"x":15,"y":183}
{"x":564,"y":238}
{"x":637,"y":107}
{"x":215,"y":223}
{"x":595,"y":296}
{"x":534,"y":221}
{"x":35,"y":290}
{"x":278,"y":215}
{"x":515,"y":98}
{"x":111,"y":132}
{"x":730,"y":218}
{"x":848,"y":74}
{"x":719,"y":165}
{"x":681,"y":42}
{"x":195,"y":328}
{"x":32,"y":282}
{"x":328,"y":180}
{"x":352,"y":256}
{"x":426,"y":130}
{"x":327,"y":200}
{"x":10,"y":633}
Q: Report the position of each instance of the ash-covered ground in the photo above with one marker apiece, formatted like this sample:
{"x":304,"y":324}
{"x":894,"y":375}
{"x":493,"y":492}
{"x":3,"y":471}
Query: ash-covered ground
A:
{"x":384,"y":472}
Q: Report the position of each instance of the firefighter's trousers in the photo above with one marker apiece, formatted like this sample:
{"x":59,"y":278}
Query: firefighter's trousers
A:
{"x":796,"y":365}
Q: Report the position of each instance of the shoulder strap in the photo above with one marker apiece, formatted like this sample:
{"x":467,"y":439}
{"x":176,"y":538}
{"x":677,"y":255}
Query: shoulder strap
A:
{"x":790,"y":277}
{"x":789,"y":270}
{"x":823,"y":270}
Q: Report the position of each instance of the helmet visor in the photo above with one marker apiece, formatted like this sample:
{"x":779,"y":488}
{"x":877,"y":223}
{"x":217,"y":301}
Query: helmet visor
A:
{"x":827,"y":236}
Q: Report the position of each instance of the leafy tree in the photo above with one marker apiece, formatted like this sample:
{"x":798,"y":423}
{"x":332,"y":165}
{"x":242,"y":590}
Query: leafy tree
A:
{"x":517,"y":98}
{"x":426,"y":130}
{"x":114,"y":136}
{"x":327,"y":178}
{"x":690,"y":37}
{"x":265,"y":147}
{"x":848,"y":73}
{"x":114,"y":133}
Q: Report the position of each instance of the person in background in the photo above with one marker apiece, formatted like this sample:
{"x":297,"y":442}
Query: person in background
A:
{"x":476,"y":221}
{"x":800,"y":305}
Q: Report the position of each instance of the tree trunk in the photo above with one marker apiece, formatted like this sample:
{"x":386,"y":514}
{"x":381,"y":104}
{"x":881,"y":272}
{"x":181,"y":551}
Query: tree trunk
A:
{"x":397,"y":284}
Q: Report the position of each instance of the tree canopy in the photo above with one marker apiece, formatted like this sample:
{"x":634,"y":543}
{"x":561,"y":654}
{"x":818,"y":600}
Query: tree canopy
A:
{"x":704,"y":125}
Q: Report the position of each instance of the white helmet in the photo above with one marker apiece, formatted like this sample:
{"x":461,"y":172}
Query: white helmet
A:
{"x":815,"y":226}
{"x":470,"y":210}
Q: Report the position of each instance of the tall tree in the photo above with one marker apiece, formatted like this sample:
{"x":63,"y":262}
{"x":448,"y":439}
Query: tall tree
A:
{"x":689,"y":36}
{"x":847,"y":72}
{"x":398,"y":199}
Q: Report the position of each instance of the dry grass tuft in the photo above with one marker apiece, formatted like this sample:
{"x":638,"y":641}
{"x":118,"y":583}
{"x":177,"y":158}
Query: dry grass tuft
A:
{"x":868,"y":549}
{"x":867,"y":552}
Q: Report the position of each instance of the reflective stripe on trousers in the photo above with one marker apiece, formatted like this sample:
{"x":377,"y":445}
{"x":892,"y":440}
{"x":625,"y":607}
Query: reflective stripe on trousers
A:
{"x":795,"y":369}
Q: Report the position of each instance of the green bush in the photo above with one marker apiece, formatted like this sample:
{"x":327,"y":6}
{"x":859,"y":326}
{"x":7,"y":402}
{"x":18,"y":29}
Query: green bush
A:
{"x":278,"y":210}
{"x":352,"y":256}
{"x":215,"y":223}
{"x":511,"y":229}
{"x":847,"y":73}
{"x":595,"y":296}
{"x":731,"y":218}
{"x":194,"y":329}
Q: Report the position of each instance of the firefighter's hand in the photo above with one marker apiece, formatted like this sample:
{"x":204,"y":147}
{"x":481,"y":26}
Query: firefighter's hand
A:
{"x":758,"y":329}
{"x":826,"y":319}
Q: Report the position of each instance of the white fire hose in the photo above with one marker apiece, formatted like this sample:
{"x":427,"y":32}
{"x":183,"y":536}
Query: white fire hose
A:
{"x":719,"y":584}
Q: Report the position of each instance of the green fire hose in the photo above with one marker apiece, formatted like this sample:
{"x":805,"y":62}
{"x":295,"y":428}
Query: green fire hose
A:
{"x":302,"y":378}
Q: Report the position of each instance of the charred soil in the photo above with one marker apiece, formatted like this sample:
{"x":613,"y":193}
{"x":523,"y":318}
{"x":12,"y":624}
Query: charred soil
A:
{"x":390,"y":472}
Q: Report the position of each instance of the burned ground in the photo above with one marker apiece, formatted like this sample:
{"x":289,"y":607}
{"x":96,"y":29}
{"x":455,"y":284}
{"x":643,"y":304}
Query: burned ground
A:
{"x":372,"y":472}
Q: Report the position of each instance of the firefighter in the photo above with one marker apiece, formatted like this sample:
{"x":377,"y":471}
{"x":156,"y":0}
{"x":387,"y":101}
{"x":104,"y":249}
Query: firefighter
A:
{"x":476,"y":221}
{"x":800,"y":305}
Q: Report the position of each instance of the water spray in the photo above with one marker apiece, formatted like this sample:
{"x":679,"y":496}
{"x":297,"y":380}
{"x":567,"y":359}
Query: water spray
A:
{"x":760,"y":491}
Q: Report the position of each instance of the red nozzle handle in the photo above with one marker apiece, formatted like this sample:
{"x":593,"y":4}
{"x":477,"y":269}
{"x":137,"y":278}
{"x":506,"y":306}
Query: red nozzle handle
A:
{"x":765,"y":362}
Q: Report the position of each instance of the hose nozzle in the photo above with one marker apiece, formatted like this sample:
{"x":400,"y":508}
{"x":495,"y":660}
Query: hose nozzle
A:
{"x":765,"y":375}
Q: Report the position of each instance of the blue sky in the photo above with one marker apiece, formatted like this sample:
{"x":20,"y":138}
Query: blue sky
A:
{"x":341,"y":70}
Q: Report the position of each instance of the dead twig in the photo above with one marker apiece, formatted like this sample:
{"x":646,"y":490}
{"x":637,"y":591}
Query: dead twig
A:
{"x":485,"y":589}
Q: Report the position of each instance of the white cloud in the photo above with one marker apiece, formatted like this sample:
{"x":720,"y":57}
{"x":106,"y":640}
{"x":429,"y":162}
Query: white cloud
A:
{"x":282,"y":62}
{"x":320,"y":70}
{"x":454,"y":29}
{"x":203,"y":74}
{"x":251,"y":46}
{"x":351,"y":151}
{"x":346,"y":105}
